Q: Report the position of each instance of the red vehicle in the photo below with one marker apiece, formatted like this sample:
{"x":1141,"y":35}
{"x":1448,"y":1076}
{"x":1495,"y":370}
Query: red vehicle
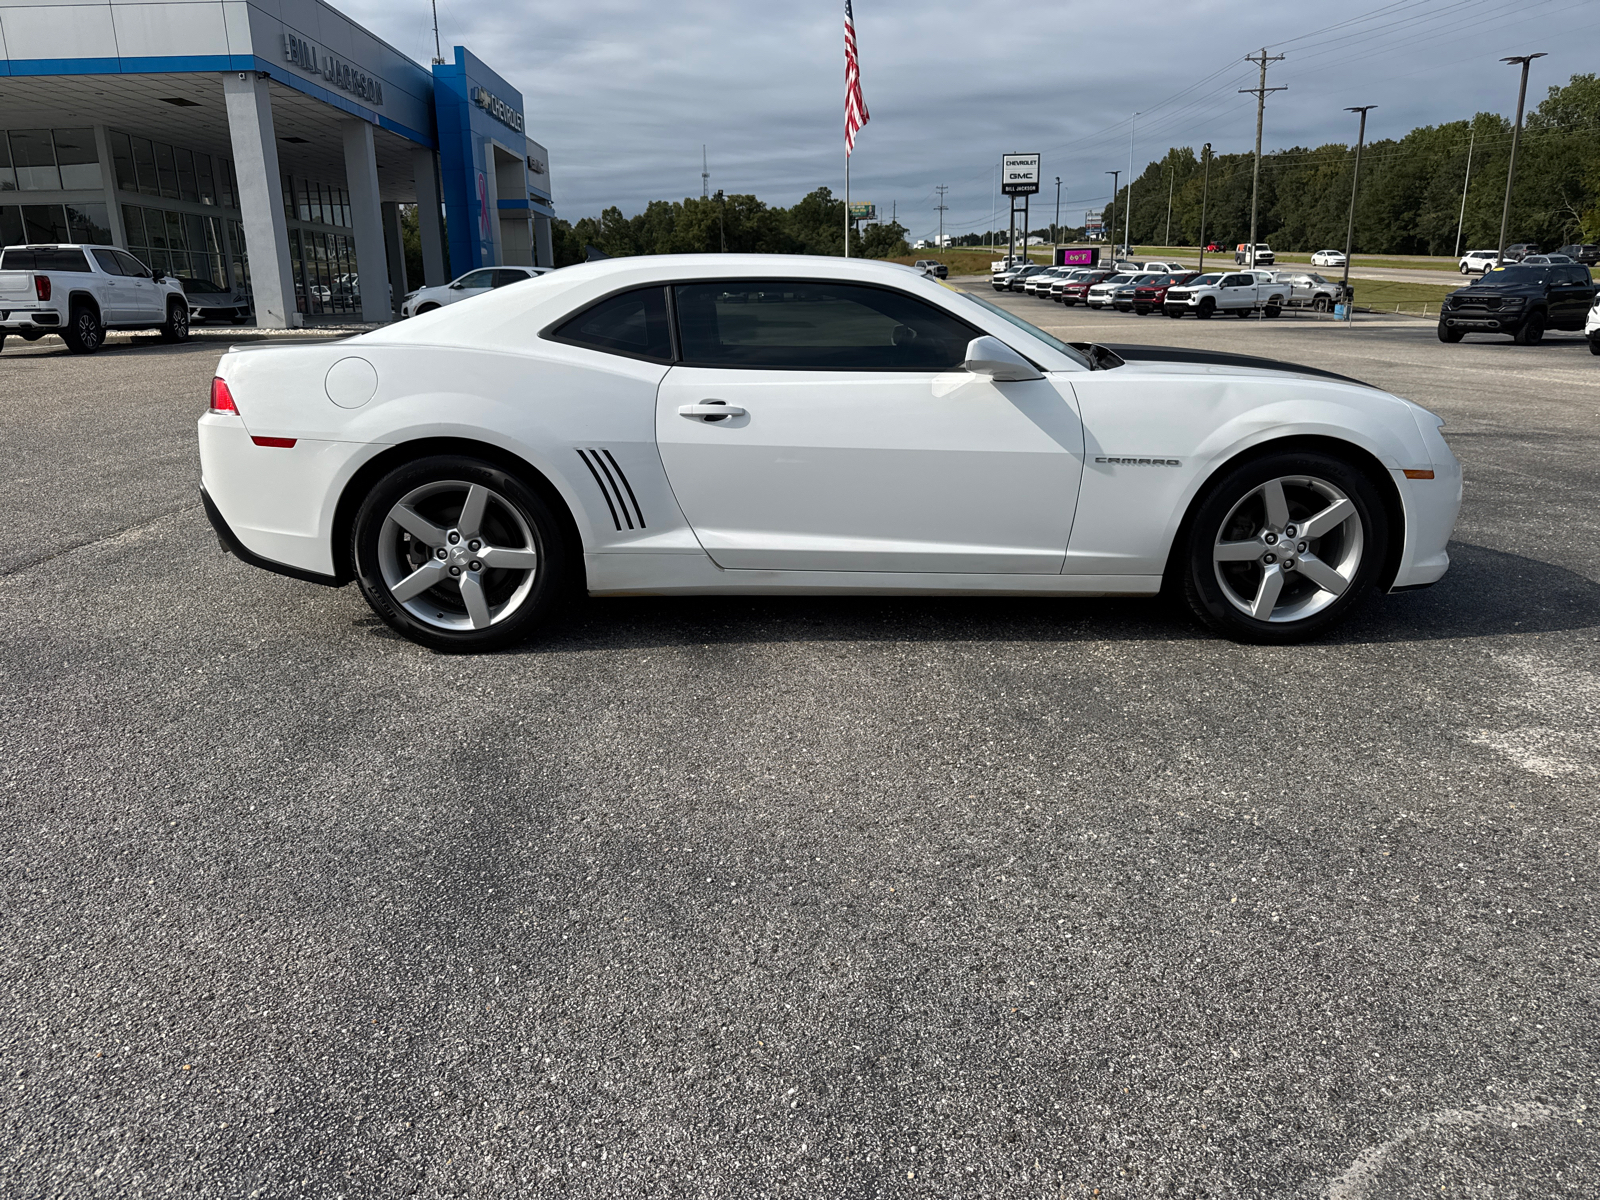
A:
{"x":1214,"y":247}
{"x":1152,"y":294}
{"x":1077,"y":292}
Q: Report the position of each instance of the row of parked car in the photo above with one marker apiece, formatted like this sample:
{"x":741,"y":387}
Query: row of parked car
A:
{"x":1147,"y":287}
{"x":1476,"y":262}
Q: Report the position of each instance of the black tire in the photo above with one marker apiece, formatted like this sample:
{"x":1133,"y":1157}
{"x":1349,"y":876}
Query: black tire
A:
{"x":1446,"y":334}
{"x":84,"y":333}
{"x":3,"y":344}
{"x":1242,"y":313}
{"x":1207,"y":307}
{"x":1141,"y":310}
{"x":1320,"y":304}
{"x":427,"y":308}
{"x":1274,"y":310}
{"x":1531,"y":331}
{"x":1594,"y":344}
{"x":176,"y":327}
{"x":1225,"y":514}
{"x":379,"y":545}
{"x":1175,"y":313}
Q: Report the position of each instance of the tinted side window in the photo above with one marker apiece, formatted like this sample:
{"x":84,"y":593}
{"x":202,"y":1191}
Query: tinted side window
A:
{"x":633,"y":324}
{"x":503,"y":277}
{"x":131,"y":265}
{"x":813,"y":325}
{"x":108,"y":261}
{"x":477,"y":279}
{"x":1235,"y":281}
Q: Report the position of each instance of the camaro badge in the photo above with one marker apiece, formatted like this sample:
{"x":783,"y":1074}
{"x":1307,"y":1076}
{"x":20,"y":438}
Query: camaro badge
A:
{"x":1142,"y":462}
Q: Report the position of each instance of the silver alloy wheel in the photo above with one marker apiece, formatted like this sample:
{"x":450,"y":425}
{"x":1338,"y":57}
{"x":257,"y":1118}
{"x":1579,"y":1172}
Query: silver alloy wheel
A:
{"x":1288,"y":549}
{"x":457,"y":556}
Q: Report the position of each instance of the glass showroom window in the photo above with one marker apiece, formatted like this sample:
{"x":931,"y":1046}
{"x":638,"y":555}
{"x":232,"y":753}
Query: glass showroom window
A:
{"x":183,"y":244}
{"x":54,"y":223}
{"x":48,"y":160}
{"x":172,"y":172}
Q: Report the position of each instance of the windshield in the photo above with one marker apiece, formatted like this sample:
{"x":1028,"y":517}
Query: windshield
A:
{"x":1054,"y":343}
{"x":1501,"y":276}
{"x":1118,"y":279}
{"x":200,"y":285}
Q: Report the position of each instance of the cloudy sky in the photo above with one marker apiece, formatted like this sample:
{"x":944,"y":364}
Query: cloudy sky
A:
{"x":624,"y":92}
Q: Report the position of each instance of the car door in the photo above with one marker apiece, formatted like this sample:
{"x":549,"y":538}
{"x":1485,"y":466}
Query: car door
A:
{"x":145,"y":301}
{"x":854,"y":440}
{"x":1236,"y":291}
{"x":1575,"y":290}
{"x":114,"y":289}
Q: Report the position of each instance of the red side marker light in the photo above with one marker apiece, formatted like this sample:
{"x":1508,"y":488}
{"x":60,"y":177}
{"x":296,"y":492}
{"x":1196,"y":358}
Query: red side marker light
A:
{"x":222,"y":398}
{"x":1419,"y":474}
{"x":281,"y":443}
{"x":41,"y":286}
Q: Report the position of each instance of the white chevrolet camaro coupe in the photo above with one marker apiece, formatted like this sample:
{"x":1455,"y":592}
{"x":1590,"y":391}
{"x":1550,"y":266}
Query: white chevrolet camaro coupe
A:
{"x":728,"y":424}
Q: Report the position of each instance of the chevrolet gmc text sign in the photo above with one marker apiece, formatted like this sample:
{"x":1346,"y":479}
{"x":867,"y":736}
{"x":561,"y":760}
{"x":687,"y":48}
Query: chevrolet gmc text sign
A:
{"x":1019,"y":174}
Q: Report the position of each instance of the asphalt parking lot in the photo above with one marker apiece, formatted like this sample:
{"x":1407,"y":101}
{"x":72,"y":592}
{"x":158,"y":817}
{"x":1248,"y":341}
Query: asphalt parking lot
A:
{"x":836,"y":898}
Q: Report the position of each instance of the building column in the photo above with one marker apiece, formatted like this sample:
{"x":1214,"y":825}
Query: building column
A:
{"x":394,"y":243}
{"x":430,"y":216}
{"x":108,"y":177}
{"x":366,"y":215}
{"x":544,"y":254}
{"x":266,"y":230}
{"x":491,"y":198}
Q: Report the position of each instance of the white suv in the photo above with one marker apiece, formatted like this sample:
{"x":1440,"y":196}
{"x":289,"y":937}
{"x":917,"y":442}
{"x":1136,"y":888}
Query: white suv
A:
{"x":79,"y":292}
{"x":1478,"y":261}
{"x":473,"y":283}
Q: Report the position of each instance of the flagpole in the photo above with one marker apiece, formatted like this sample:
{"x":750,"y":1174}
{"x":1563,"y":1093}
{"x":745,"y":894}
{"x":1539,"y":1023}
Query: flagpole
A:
{"x":847,"y":202}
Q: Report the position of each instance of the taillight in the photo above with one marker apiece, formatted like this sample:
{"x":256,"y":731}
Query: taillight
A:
{"x":222,"y":398}
{"x":41,"y":286}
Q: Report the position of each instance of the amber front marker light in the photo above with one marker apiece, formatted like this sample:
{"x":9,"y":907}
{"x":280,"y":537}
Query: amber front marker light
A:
{"x":1419,"y":474}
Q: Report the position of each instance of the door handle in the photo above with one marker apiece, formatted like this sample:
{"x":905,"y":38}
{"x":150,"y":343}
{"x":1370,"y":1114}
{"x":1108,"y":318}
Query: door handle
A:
{"x":711,"y":410}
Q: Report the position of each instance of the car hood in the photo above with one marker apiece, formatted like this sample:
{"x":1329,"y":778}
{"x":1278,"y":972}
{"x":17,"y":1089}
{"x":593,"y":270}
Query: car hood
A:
{"x":1163,"y":359}
{"x":1501,"y":289}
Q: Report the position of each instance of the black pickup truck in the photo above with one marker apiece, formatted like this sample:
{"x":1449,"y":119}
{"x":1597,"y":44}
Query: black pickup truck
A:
{"x":1522,"y":301}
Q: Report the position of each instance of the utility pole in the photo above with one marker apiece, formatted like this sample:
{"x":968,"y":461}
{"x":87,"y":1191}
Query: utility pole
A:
{"x":1461,"y":221}
{"x":438,"y":54}
{"x":1055,"y":229}
{"x":1172,"y":179}
{"x":940,"y":208}
{"x":1205,"y":188}
{"x":1127,"y":216}
{"x":1350,"y":229}
{"x":1260,"y":93}
{"x":722,"y":233}
{"x":1516,"y":136}
{"x":705,"y":175}
{"x":1113,"y":175}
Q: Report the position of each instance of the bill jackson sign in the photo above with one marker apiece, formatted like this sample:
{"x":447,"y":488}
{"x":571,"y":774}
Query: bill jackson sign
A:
{"x":497,"y":108}
{"x":1019,"y":175}
{"x":341,"y":75}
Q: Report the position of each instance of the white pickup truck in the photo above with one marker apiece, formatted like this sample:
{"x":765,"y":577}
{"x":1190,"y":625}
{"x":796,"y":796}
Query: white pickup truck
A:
{"x":79,"y":292}
{"x":1237,"y":292}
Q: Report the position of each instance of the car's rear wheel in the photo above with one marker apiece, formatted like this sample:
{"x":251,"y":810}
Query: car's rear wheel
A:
{"x":1531,"y":331}
{"x":84,"y":333}
{"x":176,"y":327}
{"x":459,"y":555}
{"x":1594,"y":343}
{"x":1274,"y":310}
{"x":1320,"y":304}
{"x":1283,"y":547}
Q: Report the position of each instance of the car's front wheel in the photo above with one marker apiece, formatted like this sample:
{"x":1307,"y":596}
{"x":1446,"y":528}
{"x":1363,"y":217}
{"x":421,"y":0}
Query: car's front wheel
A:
{"x":1531,"y":331}
{"x":1283,"y":547}
{"x":459,"y":555}
{"x":1207,"y":307}
{"x":1594,"y":343}
{"x":1447,"y":334}
{"x":176,"y":327}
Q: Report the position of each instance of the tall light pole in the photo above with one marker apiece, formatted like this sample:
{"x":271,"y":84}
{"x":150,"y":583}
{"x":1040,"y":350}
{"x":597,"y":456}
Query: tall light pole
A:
{"x":1205,"y":187}
{"x":1055,"y":230}
{"x":1172,"y":179}
{"x":1350,"y":229}
{"x":1260,"y":93}
{"x":1461,"y":221}
{"x":1114,"y":175}
{"x":1516,"y":135}
{"x":1127,"y":215}
{"x":941,"y":207}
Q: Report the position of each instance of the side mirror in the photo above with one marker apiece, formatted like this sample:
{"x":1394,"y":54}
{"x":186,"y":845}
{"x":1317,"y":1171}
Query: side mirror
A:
{"x":457,"y":286}
{"x":991,"y":357}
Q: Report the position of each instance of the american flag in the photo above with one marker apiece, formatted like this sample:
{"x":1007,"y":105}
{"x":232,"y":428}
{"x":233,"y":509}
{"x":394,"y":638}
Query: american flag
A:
{"x":855,"y":108}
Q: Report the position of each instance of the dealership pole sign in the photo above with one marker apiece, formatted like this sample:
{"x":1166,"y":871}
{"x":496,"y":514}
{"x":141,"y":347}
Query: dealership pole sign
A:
{"x":1019,"y":175}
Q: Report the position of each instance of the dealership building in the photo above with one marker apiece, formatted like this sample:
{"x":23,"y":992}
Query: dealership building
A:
{"x":262,"y":145}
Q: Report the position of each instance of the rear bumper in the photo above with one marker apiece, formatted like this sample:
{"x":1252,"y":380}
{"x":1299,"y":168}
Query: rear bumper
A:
{"x":239,"y":550}
{"x":29,"y":318}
